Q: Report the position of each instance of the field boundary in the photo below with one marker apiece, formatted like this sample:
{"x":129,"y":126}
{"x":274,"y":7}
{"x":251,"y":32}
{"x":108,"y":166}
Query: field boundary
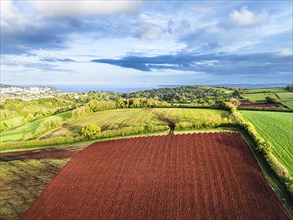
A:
{"x":274,"y":180}
{"x":207,"y":130}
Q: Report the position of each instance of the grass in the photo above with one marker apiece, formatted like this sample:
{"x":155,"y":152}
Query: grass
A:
{"x":13,"y":122}
{"x":277,"y":128}
{"x":19,"y":133}
{"x":259,"y":96}
{"x":289,"y":104}
{"x":285,"y":95}
{"x":22,"y":181}
{"x":270,"y":175}
{"x":268,"y":90}
{"x":120,"y":118}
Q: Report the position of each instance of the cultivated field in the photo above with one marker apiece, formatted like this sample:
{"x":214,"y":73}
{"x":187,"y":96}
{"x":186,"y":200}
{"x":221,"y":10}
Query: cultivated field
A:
{"x":260,"y":105}
{"x":285,"y":95}
{"x":31,"y":127}
{"x":277,"y":128}
{"x":260,"y":90}
{"x":25,"y":174}
{"x":260,"y":96}
{"x":289,"y":104}
{"x":193,"y":176}
{"x":122,"y":118}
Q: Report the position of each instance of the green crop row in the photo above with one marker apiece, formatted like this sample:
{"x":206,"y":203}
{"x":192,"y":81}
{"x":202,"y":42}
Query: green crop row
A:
{"x":265,"y":148}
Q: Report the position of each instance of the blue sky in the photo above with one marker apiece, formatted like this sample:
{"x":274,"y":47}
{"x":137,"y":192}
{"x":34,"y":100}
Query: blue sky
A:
{"x":146,"y":42}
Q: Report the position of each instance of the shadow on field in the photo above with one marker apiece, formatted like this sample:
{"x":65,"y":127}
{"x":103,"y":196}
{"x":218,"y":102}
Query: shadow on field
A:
{"x":170,"y":122}
{"x":48,"y":153}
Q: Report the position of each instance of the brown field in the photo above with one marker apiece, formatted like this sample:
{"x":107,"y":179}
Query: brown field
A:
{"x":260,"y":105}
{"x":191,"y":176}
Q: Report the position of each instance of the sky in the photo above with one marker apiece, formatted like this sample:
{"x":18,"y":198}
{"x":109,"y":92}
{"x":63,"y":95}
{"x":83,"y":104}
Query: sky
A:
{"x":146,"y":42}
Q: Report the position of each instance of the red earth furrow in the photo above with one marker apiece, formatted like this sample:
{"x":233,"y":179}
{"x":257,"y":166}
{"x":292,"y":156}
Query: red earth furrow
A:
{"x":230,"y":194}
{"x":192,"y":176}
{"x":218,"y":193}
{"x":233,"y":183}
{"x":199,"y":208}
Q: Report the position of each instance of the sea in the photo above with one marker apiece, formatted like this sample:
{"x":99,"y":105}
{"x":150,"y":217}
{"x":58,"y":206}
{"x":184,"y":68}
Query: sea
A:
{"x":133,"y":88}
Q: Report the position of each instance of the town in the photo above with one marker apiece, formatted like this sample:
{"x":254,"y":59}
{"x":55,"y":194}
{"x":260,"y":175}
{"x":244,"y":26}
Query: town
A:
{"x":30,"y":93}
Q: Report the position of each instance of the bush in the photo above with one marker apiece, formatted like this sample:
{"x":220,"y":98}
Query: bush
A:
{"x":271,"y":99}
{"x":280,"y":170}
{"x":48,"y":125}
{"x":90,"y":130}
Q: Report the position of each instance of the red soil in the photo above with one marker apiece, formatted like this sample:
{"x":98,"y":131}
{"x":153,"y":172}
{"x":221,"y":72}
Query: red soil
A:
{"x":260,"y":105}
{"x":194,"y":176}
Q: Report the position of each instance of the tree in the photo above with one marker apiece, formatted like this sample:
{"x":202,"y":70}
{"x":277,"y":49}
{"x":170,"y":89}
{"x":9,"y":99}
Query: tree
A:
{"x":290,"y":87}
{"x":271,"y":99}
{"x":90,"y":130}
{"x":120,"y":103}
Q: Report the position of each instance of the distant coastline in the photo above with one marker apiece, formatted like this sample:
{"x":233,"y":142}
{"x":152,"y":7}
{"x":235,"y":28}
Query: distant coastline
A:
{"x":133,"y":88}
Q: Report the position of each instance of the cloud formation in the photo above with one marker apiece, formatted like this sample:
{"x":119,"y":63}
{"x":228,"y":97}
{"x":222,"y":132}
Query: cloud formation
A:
{"x":69,"y":8}
{"x":147,"y":39}
{"x":215,"y":64}
{"x":245,"y":17}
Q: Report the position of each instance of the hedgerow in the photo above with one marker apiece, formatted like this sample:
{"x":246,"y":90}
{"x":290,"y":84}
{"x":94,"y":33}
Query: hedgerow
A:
{"x":263,"y":147}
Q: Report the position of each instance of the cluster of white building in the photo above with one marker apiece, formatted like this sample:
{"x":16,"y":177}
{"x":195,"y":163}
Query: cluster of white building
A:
{"x":26,"y":93}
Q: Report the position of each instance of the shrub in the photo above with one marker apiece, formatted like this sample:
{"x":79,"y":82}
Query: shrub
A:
{"x":48,"y":125}
{"x":271,"y":99}
{"x":280,"y":170}
{"x":90,"y":130}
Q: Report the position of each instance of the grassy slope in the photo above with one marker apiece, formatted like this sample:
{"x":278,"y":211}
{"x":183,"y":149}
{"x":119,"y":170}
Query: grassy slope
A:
{"x":136,"y":117}
{"x":22,"y":181}
{"x":275,"y":89}
{"x":289,"y":104}
{"x":18,"y":133}
{"x":260,"y":96}
{"x":285,"y":95}
{"x":13,"y":122}
{"x":277,"y":128}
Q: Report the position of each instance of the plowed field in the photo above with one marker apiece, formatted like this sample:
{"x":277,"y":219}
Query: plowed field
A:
{"x":191,"y":176}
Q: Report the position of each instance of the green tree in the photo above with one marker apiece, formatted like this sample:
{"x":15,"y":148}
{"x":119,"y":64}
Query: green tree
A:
{"x":290,"y":87}
{"x":90,"y":130}
{"x":271,"y":99}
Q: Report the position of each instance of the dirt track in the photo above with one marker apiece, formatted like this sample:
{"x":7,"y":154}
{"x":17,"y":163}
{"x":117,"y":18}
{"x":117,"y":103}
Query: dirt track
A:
{"x":194,"y":176}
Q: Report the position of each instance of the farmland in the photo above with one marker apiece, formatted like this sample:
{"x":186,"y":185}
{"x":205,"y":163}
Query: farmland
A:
{"x":277,"y":128}
{"x":129,"y":118}
{"x":20,"y":132}
{"x":25,"y":174}
{"x":263,"y":90}
{"x":260,"y":96}
{"x":289,"y":104}
{"x":191,"y":176}
{"x":285,"y":95}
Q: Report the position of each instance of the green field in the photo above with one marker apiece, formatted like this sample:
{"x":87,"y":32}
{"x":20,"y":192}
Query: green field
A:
{"x":19,"y":133}
{"x":289,"y":104}
{"x":277,"y":128}
{"x":267,"y":90}
{"x":121,"y":118}
{"x":285,"y":95}
{"x":13,"y":122}
{"x":259,"y":96}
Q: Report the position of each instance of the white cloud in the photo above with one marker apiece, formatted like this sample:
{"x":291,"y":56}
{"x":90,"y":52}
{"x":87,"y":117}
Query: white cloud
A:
{"x":10,"y":15}
{"x":285,"y":52}
{"x":245,"y":17}
{"x":82,"y":8}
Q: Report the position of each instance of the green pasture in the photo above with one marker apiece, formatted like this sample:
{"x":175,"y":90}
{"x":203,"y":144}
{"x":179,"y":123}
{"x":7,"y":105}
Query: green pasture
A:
{"x":277,"y":128}
{"x":19,"y":133}
{"x":285,"y":95}
{"x":259,"y":96}
{"x":120,"y":118}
